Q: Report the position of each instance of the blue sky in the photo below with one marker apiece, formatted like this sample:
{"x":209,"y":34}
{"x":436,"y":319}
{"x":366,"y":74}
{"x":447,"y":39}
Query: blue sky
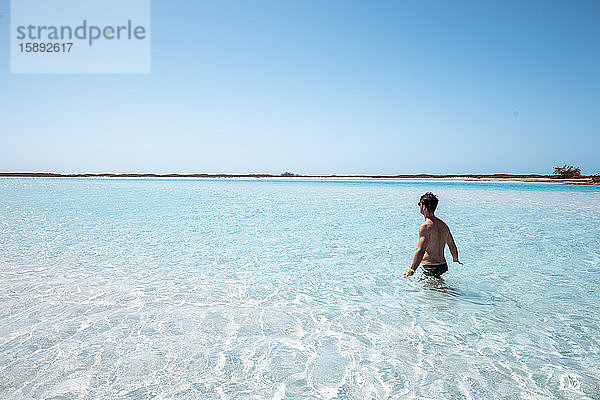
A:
{"x":320,"y":87}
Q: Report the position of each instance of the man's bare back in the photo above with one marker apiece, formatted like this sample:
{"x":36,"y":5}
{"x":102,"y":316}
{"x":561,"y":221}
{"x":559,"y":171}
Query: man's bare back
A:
{"x":439,"y":235}
{"x":434,"y":235}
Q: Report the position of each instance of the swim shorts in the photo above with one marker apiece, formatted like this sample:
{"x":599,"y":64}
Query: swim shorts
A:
{"x":435,"y":270}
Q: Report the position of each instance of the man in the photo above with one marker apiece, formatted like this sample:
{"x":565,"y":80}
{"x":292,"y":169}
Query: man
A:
{"x":434,"y":234}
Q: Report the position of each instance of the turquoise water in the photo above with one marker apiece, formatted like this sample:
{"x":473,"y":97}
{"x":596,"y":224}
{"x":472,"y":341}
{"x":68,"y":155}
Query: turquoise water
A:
{"x":274,"y":289}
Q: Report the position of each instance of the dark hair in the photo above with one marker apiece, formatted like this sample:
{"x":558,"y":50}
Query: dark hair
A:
{"x":429,"y":200}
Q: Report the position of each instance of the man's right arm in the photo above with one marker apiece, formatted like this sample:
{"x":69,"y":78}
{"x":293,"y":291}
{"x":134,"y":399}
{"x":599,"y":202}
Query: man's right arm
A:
{"x":452,"y":247}
{"x":422,"y":246}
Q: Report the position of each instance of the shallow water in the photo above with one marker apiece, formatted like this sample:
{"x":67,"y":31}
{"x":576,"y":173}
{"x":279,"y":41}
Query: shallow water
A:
{"x":272,"y":289}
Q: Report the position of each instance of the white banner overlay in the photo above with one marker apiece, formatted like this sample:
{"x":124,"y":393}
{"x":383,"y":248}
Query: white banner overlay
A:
{"x":80,"y":36}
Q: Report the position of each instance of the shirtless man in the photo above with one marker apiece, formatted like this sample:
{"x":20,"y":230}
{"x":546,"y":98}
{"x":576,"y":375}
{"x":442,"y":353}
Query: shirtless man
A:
{"x":434,"y":234}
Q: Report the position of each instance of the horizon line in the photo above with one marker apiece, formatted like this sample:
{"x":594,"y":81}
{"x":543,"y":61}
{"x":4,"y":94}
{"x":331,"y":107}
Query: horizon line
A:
{"x":282,"y":175}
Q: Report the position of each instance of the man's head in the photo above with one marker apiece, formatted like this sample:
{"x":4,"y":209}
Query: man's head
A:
{"x":428,"y":201}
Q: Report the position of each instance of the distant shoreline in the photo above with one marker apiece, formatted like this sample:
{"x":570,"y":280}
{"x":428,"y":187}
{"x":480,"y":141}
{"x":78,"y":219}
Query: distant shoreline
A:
{"x":584,"y":180}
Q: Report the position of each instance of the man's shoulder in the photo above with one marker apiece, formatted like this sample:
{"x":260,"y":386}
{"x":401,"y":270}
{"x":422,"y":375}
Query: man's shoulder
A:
{"x":427,"y":225}
{"x":442,"y":223}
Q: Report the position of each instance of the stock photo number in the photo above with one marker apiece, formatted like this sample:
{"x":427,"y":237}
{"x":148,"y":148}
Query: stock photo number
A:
{"x":45,"y":47}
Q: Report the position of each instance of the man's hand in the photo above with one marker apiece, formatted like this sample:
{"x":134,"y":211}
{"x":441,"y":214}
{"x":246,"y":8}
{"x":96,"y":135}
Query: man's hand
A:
{"x":459,"y":262}
{"x":409,"y":273}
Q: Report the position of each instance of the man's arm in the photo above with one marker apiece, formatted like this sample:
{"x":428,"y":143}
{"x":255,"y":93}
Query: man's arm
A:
{"x":423,"y":241}
{"x":452,"y":247}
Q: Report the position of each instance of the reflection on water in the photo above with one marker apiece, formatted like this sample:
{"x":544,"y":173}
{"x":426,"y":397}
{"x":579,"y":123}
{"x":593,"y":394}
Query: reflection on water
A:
{"x":438,"y":285}
{"x":211,"y":289}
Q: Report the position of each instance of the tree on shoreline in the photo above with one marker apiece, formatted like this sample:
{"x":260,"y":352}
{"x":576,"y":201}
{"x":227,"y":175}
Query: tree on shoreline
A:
{"x":567,"y":171}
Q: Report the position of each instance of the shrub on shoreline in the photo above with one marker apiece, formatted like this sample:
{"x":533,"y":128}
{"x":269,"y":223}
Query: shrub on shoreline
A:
{"x":567,"y":171}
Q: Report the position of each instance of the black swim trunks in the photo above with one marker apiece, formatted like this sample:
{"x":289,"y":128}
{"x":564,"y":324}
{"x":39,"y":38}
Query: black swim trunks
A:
{"x":435,"y":270}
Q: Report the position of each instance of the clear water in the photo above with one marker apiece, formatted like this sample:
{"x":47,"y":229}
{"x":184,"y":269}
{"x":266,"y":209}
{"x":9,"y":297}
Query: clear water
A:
{"x":209,"y":289}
